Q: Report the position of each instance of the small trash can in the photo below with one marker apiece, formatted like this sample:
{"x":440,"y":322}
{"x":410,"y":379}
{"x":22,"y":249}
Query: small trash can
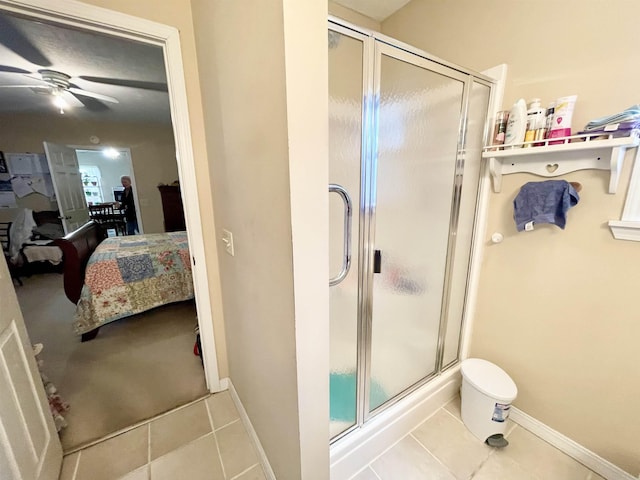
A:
{"x":486,"y":396}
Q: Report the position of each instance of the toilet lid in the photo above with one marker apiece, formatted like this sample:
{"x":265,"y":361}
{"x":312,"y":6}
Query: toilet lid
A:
{"x":489,"y":379}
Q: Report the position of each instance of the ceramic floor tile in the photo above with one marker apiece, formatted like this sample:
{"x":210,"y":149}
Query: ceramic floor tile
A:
{"x":69,"y":466}
{"x":222,"y":409}
{"x":198,"y":460}
{"x":178,"y":428}
{"x":366,"y":474}
{"x":453,"y":407}
{"x":140,"y":474}
{"x":236,"y":449}
{"x":594,"y":476}
{"x":540,"y":458}
{"x":409,"y":460}
{"x":115,"y":457}
{"x":452,"y":443}
{"x":500,"y":467}
{"x":254,"y":473}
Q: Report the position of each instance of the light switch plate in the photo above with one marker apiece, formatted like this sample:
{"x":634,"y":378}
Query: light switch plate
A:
{"x":227,"y":240}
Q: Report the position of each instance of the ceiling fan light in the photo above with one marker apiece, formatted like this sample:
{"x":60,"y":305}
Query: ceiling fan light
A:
{"x":59,"y":102}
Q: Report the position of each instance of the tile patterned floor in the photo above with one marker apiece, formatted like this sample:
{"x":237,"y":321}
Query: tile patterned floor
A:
{"x":205,"y":440}
{"x":442,"y":448}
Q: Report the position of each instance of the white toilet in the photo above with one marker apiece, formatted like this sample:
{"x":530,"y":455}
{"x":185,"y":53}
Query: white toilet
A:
{"x":486,"y":394}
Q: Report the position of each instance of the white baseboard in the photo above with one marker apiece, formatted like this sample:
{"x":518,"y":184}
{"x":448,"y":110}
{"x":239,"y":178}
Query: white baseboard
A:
{"x":360,"y":448}
{"x":351,"y":453}
{"x":264,"y":461}
{"x":586,"y":457}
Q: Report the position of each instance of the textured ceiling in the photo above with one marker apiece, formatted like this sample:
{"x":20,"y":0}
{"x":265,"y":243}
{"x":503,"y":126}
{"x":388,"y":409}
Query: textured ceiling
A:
{"x":27,"y":46}
{"x":377,"y":9}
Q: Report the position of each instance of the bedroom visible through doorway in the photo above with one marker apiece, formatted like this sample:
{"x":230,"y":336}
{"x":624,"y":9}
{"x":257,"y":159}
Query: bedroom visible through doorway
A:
{"x":138,"y":366}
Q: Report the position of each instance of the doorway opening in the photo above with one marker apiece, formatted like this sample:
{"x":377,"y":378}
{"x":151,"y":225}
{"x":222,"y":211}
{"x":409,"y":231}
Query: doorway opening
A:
{"x":105,"y":167}
{"x":63,"y":130}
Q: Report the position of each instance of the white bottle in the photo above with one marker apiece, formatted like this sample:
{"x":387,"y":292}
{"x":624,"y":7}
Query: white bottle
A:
{"x":517,"y":124}
{"x":535,"y":121}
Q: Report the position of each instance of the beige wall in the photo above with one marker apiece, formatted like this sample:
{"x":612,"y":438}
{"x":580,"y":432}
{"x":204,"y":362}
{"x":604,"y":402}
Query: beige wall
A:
{"x":152,"y":153}
{"x":241,"y":56}
{"x":555,"y":307}
{"x":177,"y":13}
{"x":353,"y":17}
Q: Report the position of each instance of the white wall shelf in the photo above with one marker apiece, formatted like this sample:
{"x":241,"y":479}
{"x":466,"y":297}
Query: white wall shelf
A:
{"x":579,"y":152}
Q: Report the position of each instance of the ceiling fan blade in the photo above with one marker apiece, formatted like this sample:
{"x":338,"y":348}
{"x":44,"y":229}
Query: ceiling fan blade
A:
{"x":72,"y":100}
{"x":78,"y":91}
{"x":8,"y":69}
{"x":90,"y":103}
{"x":155,"y":86}
{"x":22,"y":86}
{"x":14,"y":40}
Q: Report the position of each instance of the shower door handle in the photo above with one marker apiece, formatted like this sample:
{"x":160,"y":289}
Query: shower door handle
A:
{"x":346,"y":258}
{"x":377,"y":261}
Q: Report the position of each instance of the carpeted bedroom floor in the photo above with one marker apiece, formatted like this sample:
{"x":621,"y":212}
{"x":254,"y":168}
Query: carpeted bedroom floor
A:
{"x":136,"y":367}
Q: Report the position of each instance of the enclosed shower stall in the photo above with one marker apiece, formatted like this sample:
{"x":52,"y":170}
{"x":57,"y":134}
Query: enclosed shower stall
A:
{"x":406,"y":132}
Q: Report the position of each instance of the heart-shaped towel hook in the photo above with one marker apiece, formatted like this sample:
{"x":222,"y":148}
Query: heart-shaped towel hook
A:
{"x":552,"y":167}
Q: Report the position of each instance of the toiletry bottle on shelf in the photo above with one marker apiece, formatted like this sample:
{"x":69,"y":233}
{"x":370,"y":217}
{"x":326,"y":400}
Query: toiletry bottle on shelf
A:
{"x":548,"y":121}
{"x":562,"y":116}
{"x":500,"y":127}
{"x":517,"y":124}
{"x":535,"y":121}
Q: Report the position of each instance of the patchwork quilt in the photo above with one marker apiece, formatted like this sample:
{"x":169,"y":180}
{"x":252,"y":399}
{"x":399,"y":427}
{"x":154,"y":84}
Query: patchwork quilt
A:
{"x":132,"y":274}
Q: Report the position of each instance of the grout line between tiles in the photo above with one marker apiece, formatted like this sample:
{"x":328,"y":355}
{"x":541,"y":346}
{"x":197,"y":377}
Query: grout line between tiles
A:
{"x":366,"y":467}
{"x":375,"y":473}
{"x":474,"y":473}
{"x":451,"y":413}
{"x":215,"y":437}
{"x":446,"y":467}
{"x":76,"y":466}
{"x":128,"y":428}
{"x":244,"y":471}
{"x":149,"y":451}
{"x":226,"y":425}
{"x":370,"y":464}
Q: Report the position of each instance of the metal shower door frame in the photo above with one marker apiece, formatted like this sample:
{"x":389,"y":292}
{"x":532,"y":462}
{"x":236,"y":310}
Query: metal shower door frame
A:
{"x":376,"y":45}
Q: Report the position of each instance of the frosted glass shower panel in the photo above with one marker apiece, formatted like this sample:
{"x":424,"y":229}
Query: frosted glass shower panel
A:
{"x":345,"y":140}
{"x":418,"y":121}
{"x":468,"y":182}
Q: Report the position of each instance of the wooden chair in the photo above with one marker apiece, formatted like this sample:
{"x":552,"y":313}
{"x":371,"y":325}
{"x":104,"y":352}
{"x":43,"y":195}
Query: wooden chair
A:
{"x":108,"y":218}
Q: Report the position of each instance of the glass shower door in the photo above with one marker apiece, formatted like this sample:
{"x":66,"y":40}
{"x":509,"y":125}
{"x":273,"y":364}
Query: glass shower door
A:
{"x":345,"y":154}
{"x":419,"y":118}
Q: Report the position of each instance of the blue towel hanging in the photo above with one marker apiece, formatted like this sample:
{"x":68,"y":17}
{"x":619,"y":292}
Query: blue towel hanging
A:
{"x":544,"y":202}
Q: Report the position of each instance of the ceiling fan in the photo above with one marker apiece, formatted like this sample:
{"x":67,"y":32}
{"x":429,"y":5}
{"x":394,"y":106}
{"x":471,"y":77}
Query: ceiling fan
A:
{"x":57,"y":84}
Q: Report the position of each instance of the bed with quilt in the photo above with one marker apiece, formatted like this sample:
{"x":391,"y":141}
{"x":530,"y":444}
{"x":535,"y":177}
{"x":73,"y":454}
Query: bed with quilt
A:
{"x":127,"y":275}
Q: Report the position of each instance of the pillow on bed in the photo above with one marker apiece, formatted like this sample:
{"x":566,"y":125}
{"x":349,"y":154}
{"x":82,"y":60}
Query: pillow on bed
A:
{"x":50,"y":231}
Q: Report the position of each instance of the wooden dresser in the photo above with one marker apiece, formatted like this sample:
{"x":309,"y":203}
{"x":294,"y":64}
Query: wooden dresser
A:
{"x":172,"y":208}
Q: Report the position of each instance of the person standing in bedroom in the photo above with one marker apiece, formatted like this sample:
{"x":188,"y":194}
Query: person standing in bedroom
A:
{"x":128,"y":205}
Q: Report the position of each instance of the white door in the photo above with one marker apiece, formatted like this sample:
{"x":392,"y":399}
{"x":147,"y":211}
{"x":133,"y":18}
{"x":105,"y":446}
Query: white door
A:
{"x":29,"y":444}
{"x":67,"y":183}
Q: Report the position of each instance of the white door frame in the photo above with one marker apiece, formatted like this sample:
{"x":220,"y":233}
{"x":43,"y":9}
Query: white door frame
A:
{"x":98,"y":19}
{"x":132,"y":175}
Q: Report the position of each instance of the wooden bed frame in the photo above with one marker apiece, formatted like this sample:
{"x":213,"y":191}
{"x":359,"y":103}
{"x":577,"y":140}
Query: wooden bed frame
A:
{"x":77,"y":247}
